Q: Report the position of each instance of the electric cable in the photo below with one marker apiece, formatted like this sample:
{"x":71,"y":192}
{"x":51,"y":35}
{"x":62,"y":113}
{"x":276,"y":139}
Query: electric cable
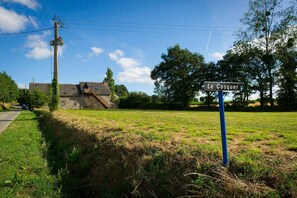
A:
{"x":25,"y":32}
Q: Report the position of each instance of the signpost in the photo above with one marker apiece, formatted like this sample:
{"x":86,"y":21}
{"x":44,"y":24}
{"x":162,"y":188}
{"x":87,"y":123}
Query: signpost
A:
{"x":220,"y":87}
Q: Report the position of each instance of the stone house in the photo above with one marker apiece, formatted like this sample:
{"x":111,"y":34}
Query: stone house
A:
{"x":85,"y":95}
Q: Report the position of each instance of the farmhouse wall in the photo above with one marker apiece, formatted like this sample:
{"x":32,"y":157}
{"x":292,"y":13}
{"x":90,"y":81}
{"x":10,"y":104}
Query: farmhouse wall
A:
{"x":71,"y":102}
{"x":90,"y":102}
{"x":80,"y":102}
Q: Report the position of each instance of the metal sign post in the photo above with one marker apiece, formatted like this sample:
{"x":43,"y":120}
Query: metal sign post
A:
{"x":223,"y":128}
{"x":220,"y":87}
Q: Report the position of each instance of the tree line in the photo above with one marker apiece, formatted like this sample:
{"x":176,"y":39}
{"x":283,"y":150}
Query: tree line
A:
{"x":263,"y":58}
{"x":9,"y":89}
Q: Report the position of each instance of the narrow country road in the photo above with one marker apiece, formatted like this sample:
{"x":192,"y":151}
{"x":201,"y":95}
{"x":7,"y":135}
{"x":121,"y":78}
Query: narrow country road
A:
{"x":8,"y":116}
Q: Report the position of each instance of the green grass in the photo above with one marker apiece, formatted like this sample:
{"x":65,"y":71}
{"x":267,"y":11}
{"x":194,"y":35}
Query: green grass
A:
{"x":24,"y":171}
{"x":112,"y":152}
{"x":251,"y":128}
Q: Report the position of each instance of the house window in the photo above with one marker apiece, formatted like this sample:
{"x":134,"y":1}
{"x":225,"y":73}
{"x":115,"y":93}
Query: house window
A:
{"x":75,"y":103}
{"x":63,"y":103}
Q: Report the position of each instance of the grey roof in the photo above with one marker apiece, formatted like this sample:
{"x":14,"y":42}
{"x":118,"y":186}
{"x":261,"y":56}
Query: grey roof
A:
{"x":97,"y":88}
{"x":42,"y":86}
{"x":69,"y":90}
{"x":72,"y":89}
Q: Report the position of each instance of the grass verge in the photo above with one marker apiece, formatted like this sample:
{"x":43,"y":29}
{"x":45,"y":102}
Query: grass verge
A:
{"x":24,"y":170}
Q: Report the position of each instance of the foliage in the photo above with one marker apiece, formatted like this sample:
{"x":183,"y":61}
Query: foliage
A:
{"x":55,"y":97}
{"x":135,"y":100}
{"x":177,"y":76}
{"x":209,"y":72}
{"x":109,"y":79}
{"x":243,"y":64}
{"x":37,"y":99}
{"x":24,"y":170}
{"x":266,"y":25}
{"x":9,"y":89}
{"x":287,"y":77}
{"x":24,"y":96}
{"x":121,"y":90}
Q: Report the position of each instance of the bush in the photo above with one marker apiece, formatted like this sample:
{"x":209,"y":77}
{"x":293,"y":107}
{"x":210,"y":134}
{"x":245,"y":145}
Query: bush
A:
{"x":135,"y":100}
{"x":37,"y":99}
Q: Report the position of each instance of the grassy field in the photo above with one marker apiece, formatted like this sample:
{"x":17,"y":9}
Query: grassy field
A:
{"x":268,"y":133}
{"x":173,"y":153}
{"x":23,"y":169}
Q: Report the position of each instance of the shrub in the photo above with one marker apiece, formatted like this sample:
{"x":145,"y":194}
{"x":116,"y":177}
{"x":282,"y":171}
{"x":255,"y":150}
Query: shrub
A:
{"x":135,"y":100}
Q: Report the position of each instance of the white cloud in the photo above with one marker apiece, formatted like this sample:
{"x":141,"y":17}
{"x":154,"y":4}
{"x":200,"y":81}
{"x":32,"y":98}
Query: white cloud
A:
{"x":96,"y":51}
{"x":10,"y":21}
{"x":115,"y":55}
{"x":127,"y":62}
{"x":217,"y":55}
{"x":79,"y":56}
{"x":32,"y":4}
{"x":136,"y":74}
{"x":39,"y":46}
{"x":132,"y":71}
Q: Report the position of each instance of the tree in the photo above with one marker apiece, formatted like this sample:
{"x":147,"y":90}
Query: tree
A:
{"x":109,"y":79}
{"x":287,"y":93}
{"x":37,"y":99}
{"x":209,"y":72}
{"x":9,"y":89}
{"x":121,"y":90}
{"x":24,"y":96}
{"x":243,"y":64}
{"x":266,"y":22}
{"x":176,"y":77}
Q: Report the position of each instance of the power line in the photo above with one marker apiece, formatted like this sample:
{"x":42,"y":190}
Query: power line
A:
{"x":148,"y":24}
{"x":26,"y":32}
{"x":149,"y":28}
{"x":146,"y":31}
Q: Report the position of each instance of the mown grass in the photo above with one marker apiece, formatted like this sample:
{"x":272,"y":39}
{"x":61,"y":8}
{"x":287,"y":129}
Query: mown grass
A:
{"x":172,"y":153}
{"x":24,"y":171}
{"x":200,"y":127}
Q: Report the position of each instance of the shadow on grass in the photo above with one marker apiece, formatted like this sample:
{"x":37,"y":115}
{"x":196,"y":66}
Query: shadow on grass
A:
{"x":89,"y":165}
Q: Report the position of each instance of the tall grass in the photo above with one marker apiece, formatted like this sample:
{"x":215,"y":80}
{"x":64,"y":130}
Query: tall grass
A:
{"x":171,"y":153}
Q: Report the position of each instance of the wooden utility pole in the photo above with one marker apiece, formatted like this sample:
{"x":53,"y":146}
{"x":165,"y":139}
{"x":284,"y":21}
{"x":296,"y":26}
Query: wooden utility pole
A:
{"x":56,"y":38}
{"x":54,"y":104}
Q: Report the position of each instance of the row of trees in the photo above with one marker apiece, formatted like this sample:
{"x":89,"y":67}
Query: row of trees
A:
{"x":34,"y":99}
{"x":10,"y":92}
{"x":8,"y":89}
{"x":263,"y":58}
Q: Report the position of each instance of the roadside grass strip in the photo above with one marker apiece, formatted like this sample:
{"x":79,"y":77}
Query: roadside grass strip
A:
{"x":24,"y":171}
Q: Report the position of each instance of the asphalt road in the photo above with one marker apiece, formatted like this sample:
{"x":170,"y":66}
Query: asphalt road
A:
{"x":8,"y":116}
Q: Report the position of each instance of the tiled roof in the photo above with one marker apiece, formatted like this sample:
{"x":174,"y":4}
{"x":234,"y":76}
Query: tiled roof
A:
{"x":42,"y":86}
{"x":97,"y":88}
{"x":74,"y":90}
{"x":69,"y":90}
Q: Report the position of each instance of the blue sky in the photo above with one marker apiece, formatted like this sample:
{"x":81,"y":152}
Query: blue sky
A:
{"x":128,"y":36}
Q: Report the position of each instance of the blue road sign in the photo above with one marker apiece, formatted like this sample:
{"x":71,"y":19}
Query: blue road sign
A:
{"x":220,"y":87}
